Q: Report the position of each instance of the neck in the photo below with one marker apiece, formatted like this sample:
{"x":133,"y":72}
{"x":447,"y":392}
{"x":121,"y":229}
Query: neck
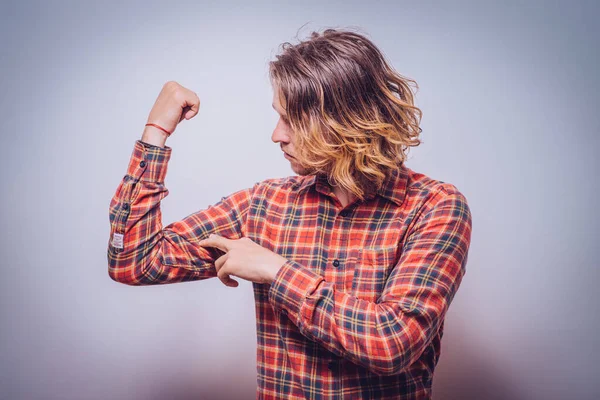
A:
{"x":345,"y":197}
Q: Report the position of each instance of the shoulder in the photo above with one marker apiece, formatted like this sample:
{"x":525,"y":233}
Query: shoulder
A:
{"x":283,"y":185}
{"x":425,"y":192}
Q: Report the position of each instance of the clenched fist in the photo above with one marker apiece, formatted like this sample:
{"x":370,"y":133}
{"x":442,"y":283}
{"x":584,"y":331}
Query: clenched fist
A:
{"x":173,"y":104}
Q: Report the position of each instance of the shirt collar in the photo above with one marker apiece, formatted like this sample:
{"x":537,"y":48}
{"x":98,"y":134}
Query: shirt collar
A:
{"x":393,"y":188}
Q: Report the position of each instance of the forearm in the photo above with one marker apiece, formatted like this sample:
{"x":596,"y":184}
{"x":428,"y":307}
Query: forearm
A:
{"x":391,"y":334}
{"x":140,"y":251}
{"x":383,"y":337}
{"x":154,"y":136}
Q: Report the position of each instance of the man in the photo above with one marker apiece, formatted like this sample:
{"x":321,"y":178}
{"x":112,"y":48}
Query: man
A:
{"x":354,"y":260}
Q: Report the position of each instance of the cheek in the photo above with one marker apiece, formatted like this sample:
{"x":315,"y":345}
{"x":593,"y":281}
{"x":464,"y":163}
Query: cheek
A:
{"x":287,"y":130}
{"x":290,"y":134}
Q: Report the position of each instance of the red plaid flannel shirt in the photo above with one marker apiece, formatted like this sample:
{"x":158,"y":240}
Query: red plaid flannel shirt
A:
{"x":357,"y":311}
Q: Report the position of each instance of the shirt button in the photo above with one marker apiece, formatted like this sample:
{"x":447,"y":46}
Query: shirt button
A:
{"x":284,"y":312}
{"x":125,"y":206}
{"x":336,"y":263}
{"x":142,"y":163}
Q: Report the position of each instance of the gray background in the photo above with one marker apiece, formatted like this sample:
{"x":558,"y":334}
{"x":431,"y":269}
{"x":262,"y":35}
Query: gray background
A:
{"x":509,"y":93}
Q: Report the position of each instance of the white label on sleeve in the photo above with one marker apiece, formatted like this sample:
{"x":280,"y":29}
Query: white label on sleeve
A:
{"x":117,"y":240}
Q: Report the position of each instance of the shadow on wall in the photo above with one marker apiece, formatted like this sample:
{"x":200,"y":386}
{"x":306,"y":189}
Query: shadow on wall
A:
{"x":217,"y":384}
{"x":468,"y":372}
{"x":179,"y":391}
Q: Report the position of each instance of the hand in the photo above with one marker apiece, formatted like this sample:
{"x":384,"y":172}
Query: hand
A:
{"x":244,"y":259}
{"x":173,"y":104}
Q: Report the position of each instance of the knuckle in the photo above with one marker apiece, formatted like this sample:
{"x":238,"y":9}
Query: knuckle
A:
{"x":178,"y":95}
{"x":171,"y":85}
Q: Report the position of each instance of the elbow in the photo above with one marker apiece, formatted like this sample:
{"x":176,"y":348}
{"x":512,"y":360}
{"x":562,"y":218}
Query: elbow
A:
{"x":119,"y":277}
{"x":397,"y":357}
{"x":388,"y":366}
{"x":391,"y":354}
{"x":121,"y":272}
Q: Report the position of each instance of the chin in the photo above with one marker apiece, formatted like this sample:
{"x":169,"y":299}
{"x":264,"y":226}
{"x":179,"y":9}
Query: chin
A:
{"x":298,"y":169}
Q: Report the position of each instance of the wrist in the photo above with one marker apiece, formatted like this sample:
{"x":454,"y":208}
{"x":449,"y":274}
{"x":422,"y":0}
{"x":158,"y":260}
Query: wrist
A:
{"x":154,"y":136}
{"x":272,"y":274}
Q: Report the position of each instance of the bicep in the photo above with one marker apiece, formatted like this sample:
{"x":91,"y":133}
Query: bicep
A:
{"x":172,"y":254}
{"x":226,"y":218}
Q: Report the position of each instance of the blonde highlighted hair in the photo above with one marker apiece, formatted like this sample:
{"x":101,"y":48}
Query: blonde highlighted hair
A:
{"x":353,"y":116}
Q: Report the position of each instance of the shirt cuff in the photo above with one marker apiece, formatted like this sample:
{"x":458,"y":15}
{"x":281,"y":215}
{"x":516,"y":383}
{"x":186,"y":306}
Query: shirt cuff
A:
{"x":291,"y":286}
{"x":149,"y":163}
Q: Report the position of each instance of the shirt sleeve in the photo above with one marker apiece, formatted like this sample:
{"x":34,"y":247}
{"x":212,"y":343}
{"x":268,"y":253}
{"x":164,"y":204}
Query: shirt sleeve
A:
{"x":388,"y":335}
{"x":142,"y":252}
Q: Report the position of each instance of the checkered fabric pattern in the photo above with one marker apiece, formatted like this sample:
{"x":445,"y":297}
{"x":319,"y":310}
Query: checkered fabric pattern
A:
{"x":357,"y":311}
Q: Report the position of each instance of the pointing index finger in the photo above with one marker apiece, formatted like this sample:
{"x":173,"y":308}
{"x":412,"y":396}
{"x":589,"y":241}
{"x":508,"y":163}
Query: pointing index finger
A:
{"x":215,"y":241}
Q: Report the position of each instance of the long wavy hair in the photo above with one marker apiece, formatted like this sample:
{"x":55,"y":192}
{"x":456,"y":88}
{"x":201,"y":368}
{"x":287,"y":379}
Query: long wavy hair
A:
{"x":353,"y":116}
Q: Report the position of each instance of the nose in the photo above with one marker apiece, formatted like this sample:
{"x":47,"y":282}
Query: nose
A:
{"x":280,"y":134}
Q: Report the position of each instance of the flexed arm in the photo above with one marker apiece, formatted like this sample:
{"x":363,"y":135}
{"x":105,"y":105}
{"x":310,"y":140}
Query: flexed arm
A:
{"x":142,"y":252}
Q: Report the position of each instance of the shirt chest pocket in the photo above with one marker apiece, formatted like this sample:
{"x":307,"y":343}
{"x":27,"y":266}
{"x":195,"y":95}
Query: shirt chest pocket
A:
{"x":372,"y":267}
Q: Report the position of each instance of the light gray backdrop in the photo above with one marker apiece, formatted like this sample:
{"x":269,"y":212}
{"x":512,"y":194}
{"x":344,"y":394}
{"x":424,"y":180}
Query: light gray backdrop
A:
{"x":509,"y":92}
